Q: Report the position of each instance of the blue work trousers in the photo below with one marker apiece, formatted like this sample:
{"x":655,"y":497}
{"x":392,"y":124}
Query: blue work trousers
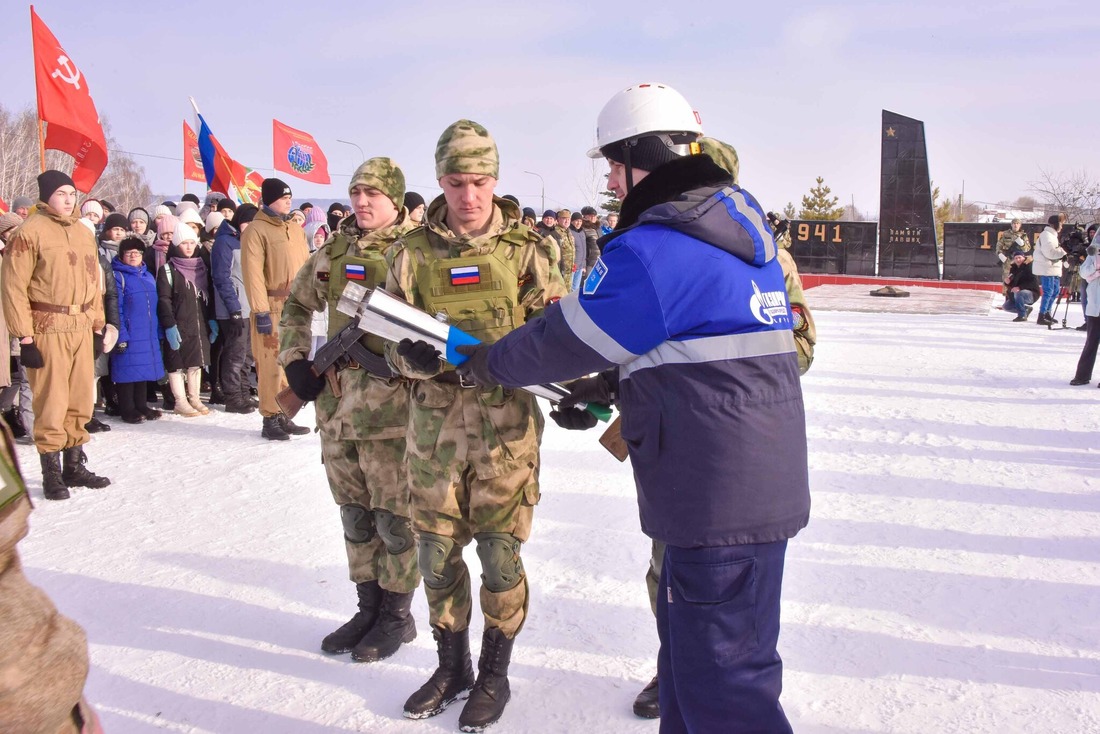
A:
{"x":718,"y":620}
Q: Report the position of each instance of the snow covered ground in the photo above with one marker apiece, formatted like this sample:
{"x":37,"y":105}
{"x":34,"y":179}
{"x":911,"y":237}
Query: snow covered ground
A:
{"x":949,"y":580}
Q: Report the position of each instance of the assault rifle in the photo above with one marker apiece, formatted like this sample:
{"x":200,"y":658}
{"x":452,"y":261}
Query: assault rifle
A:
{"x":385,"y":315}
{"x":337,"y":352}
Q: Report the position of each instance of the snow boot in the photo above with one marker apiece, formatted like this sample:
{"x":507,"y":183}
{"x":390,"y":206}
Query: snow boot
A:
{"x":272,"y":431}
{"x":95,"y":425}
{"x":395,"y":625}
{"x":179,"y":396}
{"x":241,"y":407}
{"x":645,"y":705}
{"x":53,"y":486}
{"x":75,"y":474}
{"x":14,"y":418}
{"x":491,"y":691}
{"x":194,"y":376}
{"x":355,"y":629}
{"x":290,"y":426}
{"x":451,"y":681}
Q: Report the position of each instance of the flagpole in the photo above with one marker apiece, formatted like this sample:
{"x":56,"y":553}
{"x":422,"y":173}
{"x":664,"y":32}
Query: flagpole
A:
{"x":41,"y":148}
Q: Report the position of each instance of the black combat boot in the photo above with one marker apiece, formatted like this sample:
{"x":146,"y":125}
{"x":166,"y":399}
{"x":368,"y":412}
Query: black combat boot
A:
{"x":451,"y":681}
{"x":395,"y":625}
{"x":290,"y":426}
{"x":75,"y":474}
{"x":356,"y":628}
{"x":53,"y":486}
{"x":491,"y":691}
{"x":14,"y":418}
{"x":646,"y":705}
{"x":272,"y":430}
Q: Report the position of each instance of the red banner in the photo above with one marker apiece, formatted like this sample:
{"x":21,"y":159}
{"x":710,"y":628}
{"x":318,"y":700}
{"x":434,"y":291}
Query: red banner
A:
{"x":65,"y":104}
{"x":251,"y":189}
{"x":298,"y":154}
{"x":192,"y":159}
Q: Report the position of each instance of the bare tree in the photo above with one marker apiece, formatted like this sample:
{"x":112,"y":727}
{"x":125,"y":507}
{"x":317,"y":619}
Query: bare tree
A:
{"x":1075,"y":194}
{"x":592,"y":183}
{"x":123,"y":181}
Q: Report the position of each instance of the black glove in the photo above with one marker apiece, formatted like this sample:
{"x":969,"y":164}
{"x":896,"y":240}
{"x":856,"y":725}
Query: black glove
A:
{"x":97,"y":345}
{"x":234,"y":325}
{"x":31,"y":357}
{"x":476,"y":368}
{"x":573,"y":419}
{"x":588,"y":390}
{"x":263,"y":323}
{"x":420,"y":354}
{"x":300,"y":377}
{"x":120,"y":347}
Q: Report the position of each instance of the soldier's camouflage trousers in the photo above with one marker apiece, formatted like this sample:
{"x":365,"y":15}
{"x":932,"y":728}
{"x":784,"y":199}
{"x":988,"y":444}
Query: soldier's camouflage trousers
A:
{"x":270,"y":380}
{"x":368,"y":483}
{"x":473,"y":476}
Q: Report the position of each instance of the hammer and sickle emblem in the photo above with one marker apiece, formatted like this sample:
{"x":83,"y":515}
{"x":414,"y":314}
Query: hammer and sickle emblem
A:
{"x":73,"y":76}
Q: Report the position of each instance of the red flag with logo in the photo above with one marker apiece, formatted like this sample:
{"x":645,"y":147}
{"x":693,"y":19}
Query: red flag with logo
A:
{"x":192,"y":159}
{"x":298,"y":154}
{"x":250,"y":192}
{"x":65,"y":105}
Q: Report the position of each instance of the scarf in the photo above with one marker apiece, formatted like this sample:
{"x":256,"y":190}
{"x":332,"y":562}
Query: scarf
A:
{"x":193,"y":270}
{"x":160,"y":254}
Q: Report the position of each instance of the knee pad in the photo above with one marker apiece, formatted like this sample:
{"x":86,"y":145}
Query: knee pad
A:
{"x":358,"y":523}
{"x":396,"y":532}
{"x":434,"y":551}
{"x":501,"y":566}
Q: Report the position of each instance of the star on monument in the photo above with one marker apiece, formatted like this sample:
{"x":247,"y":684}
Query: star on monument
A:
{"x":891,"y":132}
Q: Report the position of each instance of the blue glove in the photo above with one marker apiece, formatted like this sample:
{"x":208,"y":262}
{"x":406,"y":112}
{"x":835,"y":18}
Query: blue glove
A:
{"x":263,"y":323}
{"x":172,"y":334}
{"x":213,"y":330}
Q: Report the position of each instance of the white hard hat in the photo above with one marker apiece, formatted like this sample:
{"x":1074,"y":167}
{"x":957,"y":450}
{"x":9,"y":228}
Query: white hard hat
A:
{"x":641,"y":109}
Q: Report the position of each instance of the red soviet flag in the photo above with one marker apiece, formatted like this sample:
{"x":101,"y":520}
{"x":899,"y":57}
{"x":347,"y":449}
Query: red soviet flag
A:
{"x":192,"y":159}
{"x":298,"y":154}
{"x":65,"y":104}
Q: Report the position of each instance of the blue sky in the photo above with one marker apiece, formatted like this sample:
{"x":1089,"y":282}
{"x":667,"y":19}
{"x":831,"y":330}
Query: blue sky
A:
{"x":798,"y":88}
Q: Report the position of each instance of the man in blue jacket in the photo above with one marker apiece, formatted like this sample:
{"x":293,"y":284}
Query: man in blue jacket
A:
{"x":231,"y":310}
{"x":687,"y":315}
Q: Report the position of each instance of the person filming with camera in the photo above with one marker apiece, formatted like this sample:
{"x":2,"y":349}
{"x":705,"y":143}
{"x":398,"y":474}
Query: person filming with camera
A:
{"x":1047,"y":266}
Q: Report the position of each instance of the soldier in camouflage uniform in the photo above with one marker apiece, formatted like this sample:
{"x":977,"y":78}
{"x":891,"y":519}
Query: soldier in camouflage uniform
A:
{"x":473,"y":454}
{"x":1012,"y":238}
{"x":362,"y":429}
{"x":568,"y":247}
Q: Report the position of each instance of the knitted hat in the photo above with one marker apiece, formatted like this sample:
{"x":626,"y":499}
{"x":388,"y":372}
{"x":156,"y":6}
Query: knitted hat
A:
{"x":273,"y":189}
{"x":184,"y":206}
{"x":226,"y":204}
{"x":528,"y":212}
{"x":191,"y":198}
{"x":245,"y":213}
{"x":114,"y":219}
{"x":190,"y":216}
{"x":168,"y":224}
{"x":91,"y":205}
{"x":384,"y":175}
{"x":183,"y":233}
{"x":466,"y":147}
{"x":21,"y":202}
{"x":138,"y":213}
{"x":214,"y":220}
{"x":413,"y":200}
{"x":161,"y":209}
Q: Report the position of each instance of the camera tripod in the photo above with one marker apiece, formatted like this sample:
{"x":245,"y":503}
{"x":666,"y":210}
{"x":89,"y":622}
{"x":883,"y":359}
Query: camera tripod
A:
{"x":1068,"y":294}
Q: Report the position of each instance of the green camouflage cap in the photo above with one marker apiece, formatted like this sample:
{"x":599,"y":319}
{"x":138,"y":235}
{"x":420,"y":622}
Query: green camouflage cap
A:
{"x":466,"y":147}
{"x":384,"y":175}
{"x":723,"y":154}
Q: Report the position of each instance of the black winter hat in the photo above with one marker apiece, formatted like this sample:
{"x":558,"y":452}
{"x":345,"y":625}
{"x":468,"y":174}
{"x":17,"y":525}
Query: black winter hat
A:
{"x":577,"y":216}
{"x":273,"y":190}
{"x":305,"y":206}
{"x":131,"y":243}
{"x":245,"y":213}
{"x":225,"y":204}
{"x":511,"y":198}
{"x":549,"y":213}
{"x":413,"y":200}
{"x":585,"y":211}
{"x":108,"y":207}
{"x":114,"y":219}
{"x":528,"y":212}
{"x":50,"y":181}
{"x":191,"y":197}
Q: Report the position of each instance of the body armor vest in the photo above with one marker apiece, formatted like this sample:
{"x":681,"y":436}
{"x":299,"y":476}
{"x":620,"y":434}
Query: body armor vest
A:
{"x":477,"y":293}
{"x":367,"y":268}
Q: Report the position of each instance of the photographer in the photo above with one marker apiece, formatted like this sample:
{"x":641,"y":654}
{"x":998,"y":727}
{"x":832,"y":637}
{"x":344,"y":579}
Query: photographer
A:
{"x":1090,"y":276}
{"x":1048,"y":267}
{"x":1073,"y":240}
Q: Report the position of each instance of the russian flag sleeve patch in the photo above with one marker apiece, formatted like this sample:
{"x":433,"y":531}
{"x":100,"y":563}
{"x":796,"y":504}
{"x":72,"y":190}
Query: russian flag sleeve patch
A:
{"x":355,"y":272}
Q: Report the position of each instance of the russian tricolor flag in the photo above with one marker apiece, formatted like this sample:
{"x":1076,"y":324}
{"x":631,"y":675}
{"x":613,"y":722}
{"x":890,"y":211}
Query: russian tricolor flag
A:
{"x":466,"y":275}
{"x":355,"y":272}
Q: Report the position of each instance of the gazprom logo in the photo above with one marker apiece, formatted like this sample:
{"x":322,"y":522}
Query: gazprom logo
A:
{"x":768,"y":306}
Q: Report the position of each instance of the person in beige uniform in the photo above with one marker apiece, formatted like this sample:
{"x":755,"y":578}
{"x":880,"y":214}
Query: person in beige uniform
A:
{"x":43,"y":655}
{"x":53,"y":302}
{"x":273,"y":250}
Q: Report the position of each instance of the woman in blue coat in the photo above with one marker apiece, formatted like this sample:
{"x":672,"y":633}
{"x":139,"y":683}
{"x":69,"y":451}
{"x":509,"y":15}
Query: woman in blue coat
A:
{"x":136,"y":359}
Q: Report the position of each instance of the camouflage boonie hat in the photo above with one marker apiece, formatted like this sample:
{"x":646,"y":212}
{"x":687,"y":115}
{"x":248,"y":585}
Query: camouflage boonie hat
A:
{"x":466,"y":147}
{"x":723,"y":154}
{"x":384,"y":175}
